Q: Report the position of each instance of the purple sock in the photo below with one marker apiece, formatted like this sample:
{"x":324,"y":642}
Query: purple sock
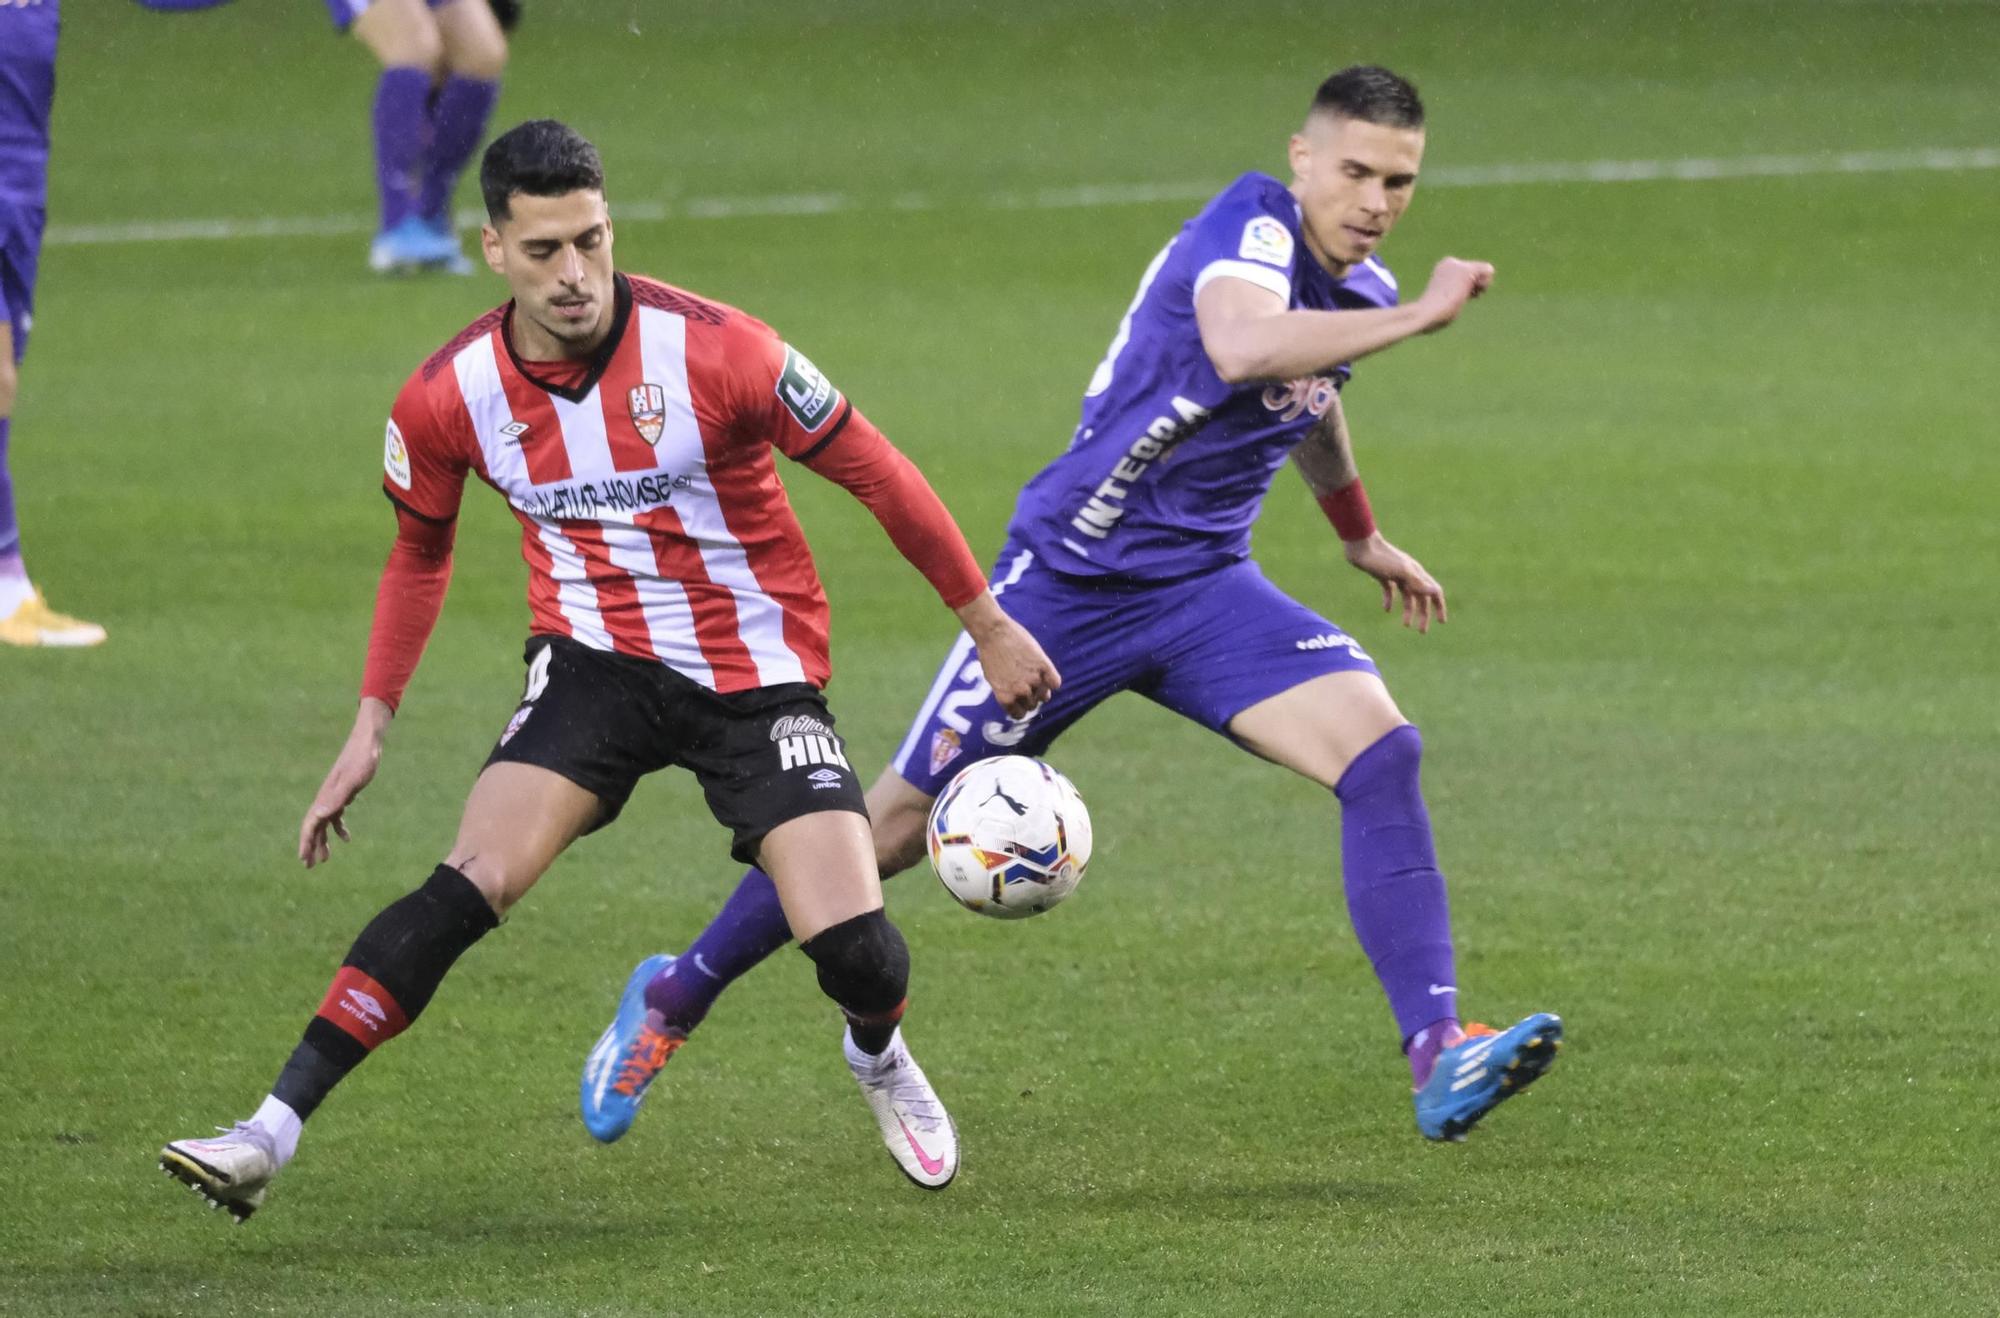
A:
{"x":399,"y":140}
{"x":749,"y":927}
{"x":10,"y":530}
{"x":458,"y":120}
{"x":1395,"y":895}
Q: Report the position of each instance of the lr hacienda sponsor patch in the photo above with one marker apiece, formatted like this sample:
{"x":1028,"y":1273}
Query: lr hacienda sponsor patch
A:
{"x":808,"y":395}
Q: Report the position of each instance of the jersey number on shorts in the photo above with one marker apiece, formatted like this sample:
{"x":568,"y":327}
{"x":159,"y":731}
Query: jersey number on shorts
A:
{"x":538,"y":674}
{"x":976,"y":692}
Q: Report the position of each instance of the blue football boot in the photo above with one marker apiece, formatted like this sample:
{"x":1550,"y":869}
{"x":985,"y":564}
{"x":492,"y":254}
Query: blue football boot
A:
{"x":457,"y":262}
{"x":628,"y":1055}
{"x":1484,"y":1070}
{"x":410,"y":245}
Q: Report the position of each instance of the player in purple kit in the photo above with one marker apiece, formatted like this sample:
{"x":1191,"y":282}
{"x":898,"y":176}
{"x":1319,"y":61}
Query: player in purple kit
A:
{"x":1128,"y":558}
{"x":28,"y":32}
{"x":441,"y":64}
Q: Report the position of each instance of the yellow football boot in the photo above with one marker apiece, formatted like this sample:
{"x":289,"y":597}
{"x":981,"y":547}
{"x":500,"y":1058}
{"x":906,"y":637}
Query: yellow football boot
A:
{"x":35,"y":623}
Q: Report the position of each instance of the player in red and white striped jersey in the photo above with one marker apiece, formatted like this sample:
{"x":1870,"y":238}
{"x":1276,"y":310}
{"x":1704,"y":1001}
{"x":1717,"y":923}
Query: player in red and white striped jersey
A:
{"x":676,"y":619}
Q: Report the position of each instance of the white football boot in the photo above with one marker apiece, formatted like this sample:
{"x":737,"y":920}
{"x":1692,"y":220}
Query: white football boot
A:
{"x":914,"y":1124}
{"x":231,"y":1171}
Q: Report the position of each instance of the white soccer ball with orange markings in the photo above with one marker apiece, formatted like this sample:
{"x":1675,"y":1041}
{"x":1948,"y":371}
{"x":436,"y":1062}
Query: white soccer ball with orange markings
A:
{"x":1009,"y":837}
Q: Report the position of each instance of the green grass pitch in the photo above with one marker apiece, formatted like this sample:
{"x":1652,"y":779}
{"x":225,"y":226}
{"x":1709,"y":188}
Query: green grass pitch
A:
{"x":1711,"y":478}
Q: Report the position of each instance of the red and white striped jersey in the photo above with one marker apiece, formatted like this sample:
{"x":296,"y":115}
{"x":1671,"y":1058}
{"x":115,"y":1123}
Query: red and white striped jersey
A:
{"x":652,"y":518}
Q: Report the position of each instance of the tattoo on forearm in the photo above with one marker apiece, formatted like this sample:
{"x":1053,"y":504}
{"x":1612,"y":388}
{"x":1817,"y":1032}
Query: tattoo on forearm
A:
{"x":1326,"y":457}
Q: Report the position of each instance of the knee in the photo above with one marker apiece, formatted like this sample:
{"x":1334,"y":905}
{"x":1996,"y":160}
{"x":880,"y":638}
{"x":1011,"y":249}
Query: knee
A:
{"x":500,"y":883}
{"x":483,"y":56}
{"x":863,"y":963}
{"x":414,"y":45}
{"x":1392,"y":760}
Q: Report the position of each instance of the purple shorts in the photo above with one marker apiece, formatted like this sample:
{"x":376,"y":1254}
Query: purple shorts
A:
{"x":346,"y":11}
{"x":1207,"y":648}
{"x":20,"y":254}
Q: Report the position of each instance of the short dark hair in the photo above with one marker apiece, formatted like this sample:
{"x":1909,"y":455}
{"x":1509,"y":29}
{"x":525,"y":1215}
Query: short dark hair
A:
{"x":1371,"y":94}
{"x":542,"y":158}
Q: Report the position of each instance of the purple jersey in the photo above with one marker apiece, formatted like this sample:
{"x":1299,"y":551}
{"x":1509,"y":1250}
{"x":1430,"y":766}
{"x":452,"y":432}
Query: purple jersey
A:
{"x":27,"y":90}
{"x":1170,"y":464}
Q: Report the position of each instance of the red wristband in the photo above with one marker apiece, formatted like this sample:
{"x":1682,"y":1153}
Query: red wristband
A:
{"x":1347,"y":508}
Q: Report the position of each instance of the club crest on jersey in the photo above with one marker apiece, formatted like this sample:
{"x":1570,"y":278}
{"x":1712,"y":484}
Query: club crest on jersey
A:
{"x":648,"y":405}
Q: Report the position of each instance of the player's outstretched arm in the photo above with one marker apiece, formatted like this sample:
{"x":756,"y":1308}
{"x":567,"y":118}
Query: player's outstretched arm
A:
{"x":1250,"y":335}
{"x":352,"y":770}
{"x":1326,"y":459}
{"x":873,"y":470}
{"x":407,"y":604}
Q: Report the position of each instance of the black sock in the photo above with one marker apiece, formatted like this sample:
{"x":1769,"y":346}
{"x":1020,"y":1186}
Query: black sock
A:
{"x":864,"y":966}
{"x":384,"y":984}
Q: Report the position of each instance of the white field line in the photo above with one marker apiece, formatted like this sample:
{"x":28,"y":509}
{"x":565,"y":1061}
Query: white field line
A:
{"x":1693,"y":169}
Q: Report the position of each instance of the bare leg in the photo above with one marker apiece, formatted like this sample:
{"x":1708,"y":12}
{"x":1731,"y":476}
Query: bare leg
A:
{"x":518,"y":819}
{"x":474,"y":46}
{"x":402,"y":34}
{"x":1318,"y":727}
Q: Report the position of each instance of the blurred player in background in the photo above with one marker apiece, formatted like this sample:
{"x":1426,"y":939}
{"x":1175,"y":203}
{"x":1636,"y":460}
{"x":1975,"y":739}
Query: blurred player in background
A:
{"x":28,"y":31}
{"x":441,"y":65}
{"x":678,"y":620}
{"x":1128,"y":557}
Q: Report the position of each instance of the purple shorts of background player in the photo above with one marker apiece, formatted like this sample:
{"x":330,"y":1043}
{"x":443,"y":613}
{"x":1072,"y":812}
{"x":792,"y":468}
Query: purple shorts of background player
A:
{"x":346,"y":11}
{"x":1207,"y":647}
{"x":20,"y":254}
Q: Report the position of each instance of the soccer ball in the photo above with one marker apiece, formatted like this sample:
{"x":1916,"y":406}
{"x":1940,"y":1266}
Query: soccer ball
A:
{"x":1009,"y":837}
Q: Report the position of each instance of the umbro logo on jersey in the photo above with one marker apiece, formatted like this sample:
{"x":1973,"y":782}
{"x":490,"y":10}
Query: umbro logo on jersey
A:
{"x":798,"y":752}
{"x":513,"y":430}
{"x":648,"y":405}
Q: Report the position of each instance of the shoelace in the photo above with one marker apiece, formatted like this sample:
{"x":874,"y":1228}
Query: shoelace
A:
{"x":249,"y":1133}
{"x":916,"y":1098}
{"x":649,"y":1053}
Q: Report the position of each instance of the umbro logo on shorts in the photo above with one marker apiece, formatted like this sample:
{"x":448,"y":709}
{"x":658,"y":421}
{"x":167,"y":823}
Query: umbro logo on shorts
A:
{"x":822,"y":779}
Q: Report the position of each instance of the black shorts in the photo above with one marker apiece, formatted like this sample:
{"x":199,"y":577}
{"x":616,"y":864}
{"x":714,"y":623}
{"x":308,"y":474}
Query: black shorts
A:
{"x":605,"y":720}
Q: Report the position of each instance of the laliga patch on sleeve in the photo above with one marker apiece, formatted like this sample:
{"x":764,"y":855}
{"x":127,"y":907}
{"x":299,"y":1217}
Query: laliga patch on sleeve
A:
{"x":396,"y":457}
{"x":1267,"y":240}
{"x":808,"y":395}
